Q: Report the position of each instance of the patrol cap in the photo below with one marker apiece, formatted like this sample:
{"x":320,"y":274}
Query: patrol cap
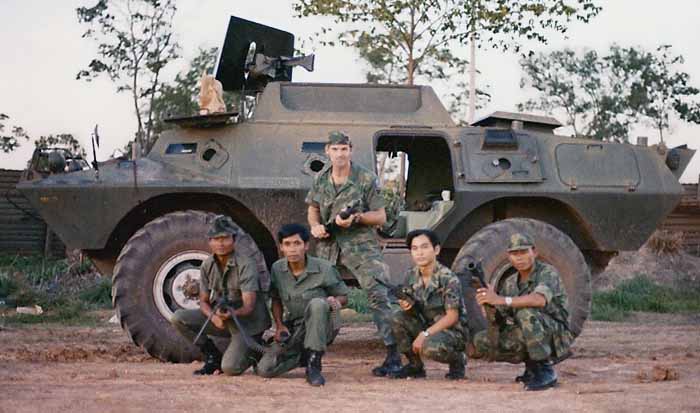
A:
{"x":338,"y":138}
{"x":222,"y":226}
{"x":520,"y":241}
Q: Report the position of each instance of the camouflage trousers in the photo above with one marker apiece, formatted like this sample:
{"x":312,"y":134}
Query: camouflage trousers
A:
{"x":366,"y":275}
{"x":530,"y":335}
{"x":443,"y":347}
{"x":236,"y":359}
{"x":315,"y":331}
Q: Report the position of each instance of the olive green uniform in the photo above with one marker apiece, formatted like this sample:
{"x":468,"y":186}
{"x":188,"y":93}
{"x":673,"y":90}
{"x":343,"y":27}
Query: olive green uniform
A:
{"x":240,"y":275}
{"x":308,"y":314}
{"x":355,"y":249}
{"x":537,"y":334}
{"x":443,"y":292}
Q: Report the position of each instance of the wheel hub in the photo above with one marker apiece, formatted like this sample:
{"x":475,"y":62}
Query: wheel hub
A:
{"x":176,"y":285}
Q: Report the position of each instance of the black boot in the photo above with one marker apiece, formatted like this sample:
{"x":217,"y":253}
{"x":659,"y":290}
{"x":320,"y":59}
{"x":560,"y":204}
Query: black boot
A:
{"x":528,"y":374}
{"x":313,"y":369}
{"x":544,"y":377}
{"x":414,"y":369}
{"x":457,"y":367}
{"x":391,"y":364}
{"x":212,"y":359}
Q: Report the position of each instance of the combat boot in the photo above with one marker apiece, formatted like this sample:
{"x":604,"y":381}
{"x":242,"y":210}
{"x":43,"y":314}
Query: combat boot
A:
{"x":391,"y":364}
{"x":528,"y":374}
{"x":414,"y":369}
{"x":457,"y":367}
{"x":212,"y":359}
{"x":313,"y":369}
{"x":544,"y":377}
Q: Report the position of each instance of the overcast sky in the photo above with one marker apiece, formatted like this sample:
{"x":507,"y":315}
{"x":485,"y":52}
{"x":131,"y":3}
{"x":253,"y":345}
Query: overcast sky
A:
{"x":42,"y":51}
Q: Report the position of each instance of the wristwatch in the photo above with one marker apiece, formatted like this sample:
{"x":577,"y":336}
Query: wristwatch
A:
{"x":509,"y":301}
{"x":425,"y":333}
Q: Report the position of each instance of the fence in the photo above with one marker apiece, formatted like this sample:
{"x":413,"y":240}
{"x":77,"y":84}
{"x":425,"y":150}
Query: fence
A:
{"x":686,"y":219}
{"x":22,"y":231}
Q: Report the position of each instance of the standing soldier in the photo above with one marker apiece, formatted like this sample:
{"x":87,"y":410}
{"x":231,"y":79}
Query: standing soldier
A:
{"x":532,"y":319}
{"x":311,"y":291}
{"x":351,"y":243}
{"x":226,"y":274}
{"x":434,"y":327}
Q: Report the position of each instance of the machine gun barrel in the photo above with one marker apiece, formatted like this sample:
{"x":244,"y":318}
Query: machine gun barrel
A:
{"x":225,"y":304}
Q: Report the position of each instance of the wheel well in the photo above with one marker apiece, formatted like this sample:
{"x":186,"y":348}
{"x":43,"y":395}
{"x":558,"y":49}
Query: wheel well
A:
{"x":551,"y":211}
{"x":164,"y":204}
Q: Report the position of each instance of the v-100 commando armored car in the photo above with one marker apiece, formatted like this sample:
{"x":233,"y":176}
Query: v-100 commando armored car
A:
{"x":144,"y":222}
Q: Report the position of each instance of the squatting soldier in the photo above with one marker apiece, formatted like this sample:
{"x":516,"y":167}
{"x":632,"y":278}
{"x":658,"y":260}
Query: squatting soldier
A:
{"x":311,"y":291}
{"x":532,"y":317}
{"x":351,"y":243}
{"x":439,"y":332}
{"x":226,"y":275}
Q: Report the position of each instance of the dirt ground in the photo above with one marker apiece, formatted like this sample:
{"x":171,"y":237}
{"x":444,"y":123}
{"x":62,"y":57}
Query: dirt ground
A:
{"x":651,"y":363}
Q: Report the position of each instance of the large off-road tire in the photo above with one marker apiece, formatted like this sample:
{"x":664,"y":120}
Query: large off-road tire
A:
{"x":157,"y":273}
{"x":489,"y":245}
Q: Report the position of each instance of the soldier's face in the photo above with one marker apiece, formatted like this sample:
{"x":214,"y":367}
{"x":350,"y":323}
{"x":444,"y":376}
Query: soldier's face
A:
{"x":294,"y":248}
{"x":522,"y":260}
{"x":340,"y":155}
{"x":221,"y":245}
{"x":423,"y":252}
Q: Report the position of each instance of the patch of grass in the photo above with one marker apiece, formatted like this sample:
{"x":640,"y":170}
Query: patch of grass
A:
{"x":98,"y":295}
{"x":642,"y":294}
{"x":357,"y":300}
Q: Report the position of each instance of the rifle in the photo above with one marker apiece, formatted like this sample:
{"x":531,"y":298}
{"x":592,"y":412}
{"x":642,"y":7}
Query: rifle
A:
{"x":352,"y":208}
{"x":406,"y":293}
{"x":225,"y":304}
{"x":477,"y":271}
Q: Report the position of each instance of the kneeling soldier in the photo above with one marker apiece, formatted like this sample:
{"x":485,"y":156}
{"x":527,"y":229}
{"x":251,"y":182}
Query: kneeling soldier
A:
{"x":531,"y":317}
{"x":434,"y":328}
{"x":226,"y":275}
{"x":311,"y":291}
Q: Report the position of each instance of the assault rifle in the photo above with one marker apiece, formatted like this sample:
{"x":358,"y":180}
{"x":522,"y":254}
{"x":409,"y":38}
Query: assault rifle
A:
{"x":477,"y":271}
{"x":224,"y":303}
{"x":406,"y":293}
{"x":350,"y":209}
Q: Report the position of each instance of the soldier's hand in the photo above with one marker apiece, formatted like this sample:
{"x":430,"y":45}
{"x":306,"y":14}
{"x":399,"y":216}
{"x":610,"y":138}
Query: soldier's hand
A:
{"x":405,"y":305}
{"x":279,"y":331}
{"x":418,"y":343}
{"x":223,"y":314}
{"x":487,"y":296}
{"x":333,"y":303}
{"x":218,"y":322}
{"x":319,"y":231}
{"x":344,"y":223}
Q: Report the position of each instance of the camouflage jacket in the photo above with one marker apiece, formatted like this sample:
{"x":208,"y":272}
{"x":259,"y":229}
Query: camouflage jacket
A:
{"x":240,"y":275}
{"x":443,"y":292}
{"x":358,"y":242}
{"x":319,"y":280}
{"x":544,"y":280}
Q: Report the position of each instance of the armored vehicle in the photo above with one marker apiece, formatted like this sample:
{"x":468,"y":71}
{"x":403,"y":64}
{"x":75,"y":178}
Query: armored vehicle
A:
{"x":144,"y":222}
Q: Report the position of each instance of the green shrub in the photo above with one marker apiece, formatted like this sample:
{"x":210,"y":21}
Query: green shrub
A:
{"x":642,"y":294}
{"x":357,"y":300}
{"x":99,"y":295}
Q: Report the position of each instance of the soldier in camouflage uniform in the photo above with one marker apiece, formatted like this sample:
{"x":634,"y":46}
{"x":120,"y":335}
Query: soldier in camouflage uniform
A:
{"x":531,"y":317}
{"x":437,"y":330}
{"x":351,"y":243}
{"x":311,"y":291}
{"x":226,"y":273}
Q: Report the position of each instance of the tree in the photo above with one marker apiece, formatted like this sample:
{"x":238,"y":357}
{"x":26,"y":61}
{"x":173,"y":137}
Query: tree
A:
{"x":135,"y":42}
{"x":401,"y":40}
{"x":9,"y":143}
{"x":602,"y":97}
{"x":61,"y":140}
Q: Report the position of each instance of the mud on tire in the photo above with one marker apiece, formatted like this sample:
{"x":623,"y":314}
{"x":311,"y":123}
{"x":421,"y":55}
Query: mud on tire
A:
{"x":488,"y":245}
{"x":142,"y":306}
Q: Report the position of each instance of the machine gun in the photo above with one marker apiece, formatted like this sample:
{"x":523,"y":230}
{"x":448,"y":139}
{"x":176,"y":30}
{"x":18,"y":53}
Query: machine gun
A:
{"x":350,"y":209}
{"x":261,"y":69}
{"x":477,"y":271}
{"x":406,"y":293}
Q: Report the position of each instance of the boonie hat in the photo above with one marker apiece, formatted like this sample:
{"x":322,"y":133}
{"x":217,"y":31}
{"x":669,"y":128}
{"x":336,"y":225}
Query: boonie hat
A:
{"x":222,"y":226}
{"x":520,"y":241}
{"x":338,"y":138}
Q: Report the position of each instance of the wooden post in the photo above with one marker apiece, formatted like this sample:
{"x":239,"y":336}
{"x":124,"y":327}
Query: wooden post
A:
{"x":47,"y":242}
